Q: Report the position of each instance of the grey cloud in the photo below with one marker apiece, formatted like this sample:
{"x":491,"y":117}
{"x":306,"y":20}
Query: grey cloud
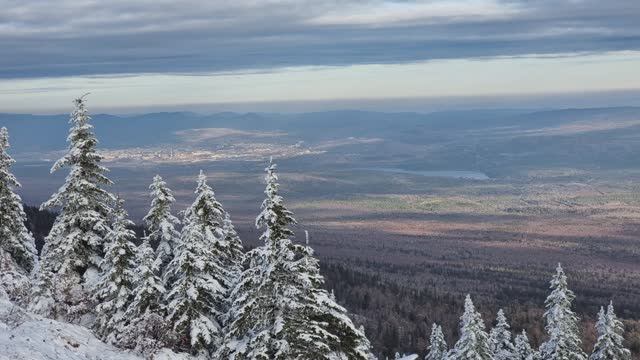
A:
{"x":47,"y":39}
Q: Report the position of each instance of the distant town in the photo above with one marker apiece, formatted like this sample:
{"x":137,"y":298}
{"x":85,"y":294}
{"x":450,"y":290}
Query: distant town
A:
{"x":238,"y":151}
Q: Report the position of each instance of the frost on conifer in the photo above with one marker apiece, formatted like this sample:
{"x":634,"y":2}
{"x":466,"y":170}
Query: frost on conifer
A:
{"x":113,"y":291}
{"x":236,"y":255}
{"x":74,"y":248}
{"x":274,"y":218}
{"x":610,"y":330}
{"x":18,"y":255}
{"x":320,"y":327}
{"x":500,"y":339}
{"x":563,"y":341}
{"x":437,"y":349}
{"x":149,"y":290}
{"x":473,"y":343}
{"x":146,"y":330}
{"x":200,"y":276}
{"x":161,"y":223}
{"x":523,"y":350}
{"x":280,"y":309}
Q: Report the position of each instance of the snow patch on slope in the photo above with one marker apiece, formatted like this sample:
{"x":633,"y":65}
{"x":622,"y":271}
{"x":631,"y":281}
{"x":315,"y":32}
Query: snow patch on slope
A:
{"x":409,"y":357}
{"x":24,"y":336}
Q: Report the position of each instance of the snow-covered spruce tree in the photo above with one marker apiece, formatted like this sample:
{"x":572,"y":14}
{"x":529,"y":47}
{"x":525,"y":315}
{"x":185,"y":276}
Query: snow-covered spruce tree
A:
{"x":74,"y":248}
{"x":146,"y":330}
{"x":500,"y":339}
{"x":161,"y":223}
{"x":114,"y":289}
{"x":563,"y":341}
{"x":437,"y":349}
{"x":201,"y":275}
{"x":523,"y":350}
{"x":280,"y":309}
{"x":617,"y":333}
{"x":236,"y":253}
{"x":320,"y":327}
{"x":18,"y":255}
{"x":609,"y":343}
{"x":474,"y":340}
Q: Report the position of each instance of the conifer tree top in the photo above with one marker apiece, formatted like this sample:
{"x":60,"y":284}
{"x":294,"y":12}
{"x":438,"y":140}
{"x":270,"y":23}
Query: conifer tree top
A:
{"x":76,"y":242}
{"x":469,"y":308}
{"x":145,"y":255}
{"x":6,"y":161}
{"x":86,"y":172}
{"x":114,"y":289}
{"x":522,"y":337}
{"x":559,"y":279}
{"x":601,"y":324}
{"x":149,"y":289}
{"x":121,"y":221}
{"x":500,"y":338}
{"x":161,"y":222}
{"x":437,"y":348}
{"x":275,"y":218}
{"x":609,"y":344}
{"x":473,"y":343}
{"x":523,"y":350}
{"x":162,"y":199}
{"x":560,"y":294}
{"x":561,"y":322}
{"x":82,"y":141}
{"x":501,"y":319}
{"x":15,"y":239}
{"x":206,"y":208}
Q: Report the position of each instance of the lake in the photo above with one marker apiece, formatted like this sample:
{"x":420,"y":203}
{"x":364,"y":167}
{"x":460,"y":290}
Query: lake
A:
{"x":452,"y":174}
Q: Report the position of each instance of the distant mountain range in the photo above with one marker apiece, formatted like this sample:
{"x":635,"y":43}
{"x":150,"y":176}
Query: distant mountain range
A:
{"x":598,"y":136}
{"x":48,"y":132}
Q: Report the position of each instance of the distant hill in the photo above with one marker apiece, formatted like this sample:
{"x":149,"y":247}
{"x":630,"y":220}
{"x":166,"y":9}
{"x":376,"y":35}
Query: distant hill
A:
{"x":496,"y":138}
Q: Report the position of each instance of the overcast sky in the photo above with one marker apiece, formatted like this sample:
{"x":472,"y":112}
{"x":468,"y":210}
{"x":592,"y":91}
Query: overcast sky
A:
{"x":167,"y":53}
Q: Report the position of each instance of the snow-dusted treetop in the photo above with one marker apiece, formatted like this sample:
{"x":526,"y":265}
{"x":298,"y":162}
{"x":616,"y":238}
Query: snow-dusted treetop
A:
{"x":523,"y":348}
{"x":145,"y":314}
{"x":74,"y":248}
{"x":500,"y":339}
{"x":161,"y":223}
{"x":561,"y":322}
{"x":233,"y":241}
{"x":114,"y":289}
{"x":437,"y":349}
{"x":609,"y":344}
{"x":206,"y":210}
{"x":85,"y":205}
{"x":149,"y":290}
{"x":280,"y":309}
{"x":473,"y":343}
{"x":274,"y":217}
{"x":6,"y":161}
{"x":199,"y":276}
{"x":15,"y":239}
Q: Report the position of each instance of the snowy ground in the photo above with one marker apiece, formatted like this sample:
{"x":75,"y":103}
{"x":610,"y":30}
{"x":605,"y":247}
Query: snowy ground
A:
{"x":24,"y":336}
{"x":409,"y":357}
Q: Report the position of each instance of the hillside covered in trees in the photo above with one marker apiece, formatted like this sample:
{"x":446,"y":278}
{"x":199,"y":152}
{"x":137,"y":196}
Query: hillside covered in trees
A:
{"x":186,"y":285}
